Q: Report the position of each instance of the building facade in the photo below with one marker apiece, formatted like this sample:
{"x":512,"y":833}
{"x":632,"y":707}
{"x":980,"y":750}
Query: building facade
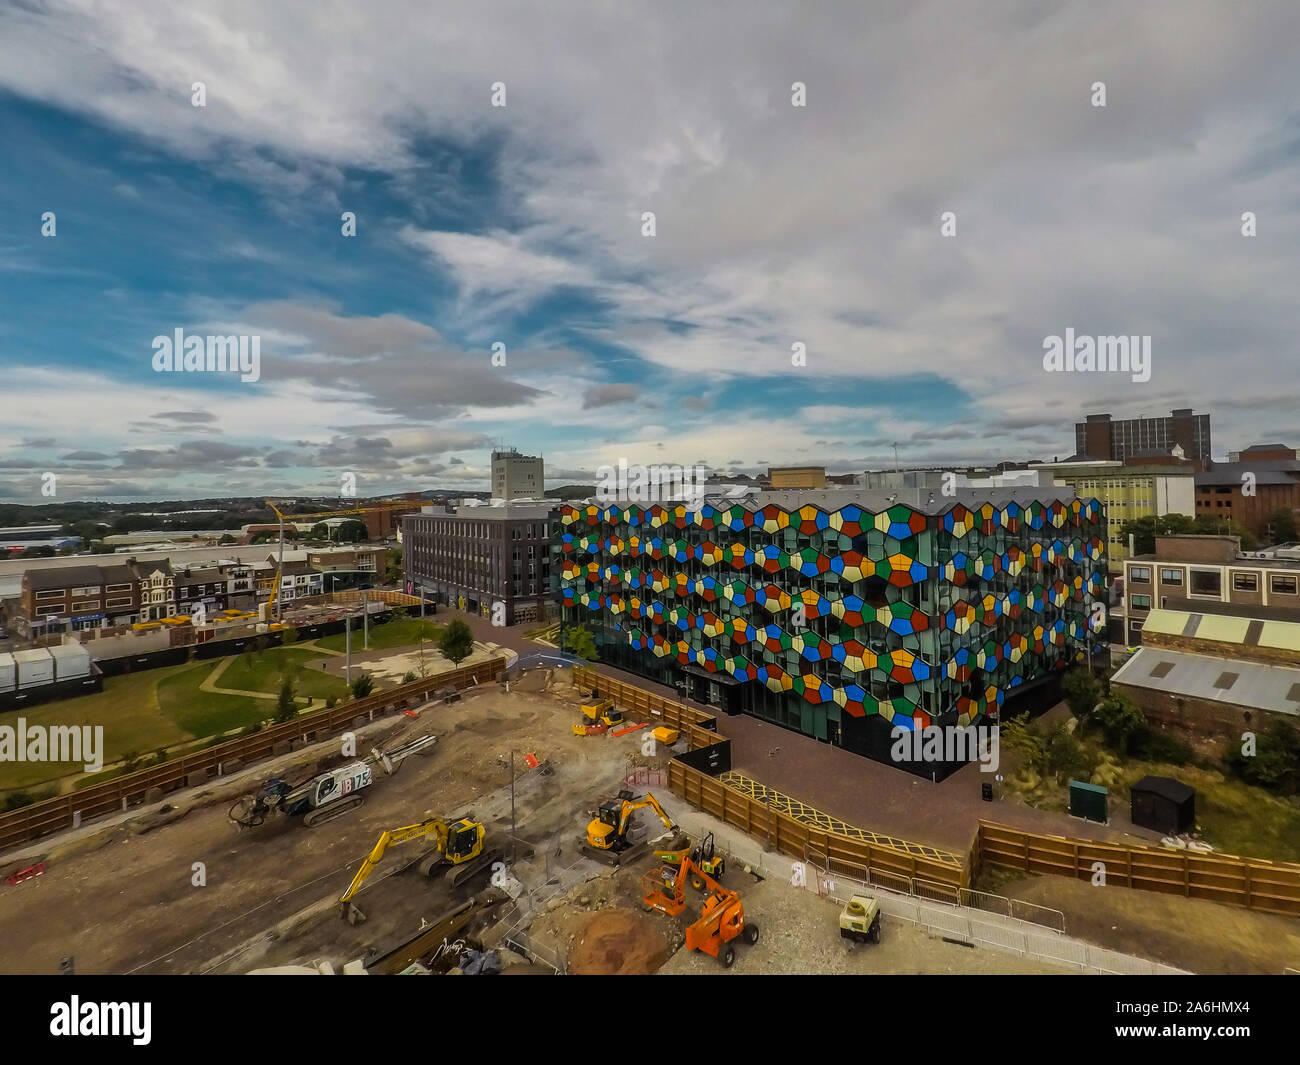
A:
{"x":516,"y":476}
{"x":475,"y":558}
{"x":1100,"y":437}
{"x":1208,"y":569}
{"x":1126,"y":492}
{"x":840,"y":614}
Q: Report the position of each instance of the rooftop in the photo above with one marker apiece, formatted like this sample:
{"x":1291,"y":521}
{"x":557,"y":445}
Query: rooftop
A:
{"x":1253,"y":685}
{"x":877,"y":500}
{"x":1226,"y":628}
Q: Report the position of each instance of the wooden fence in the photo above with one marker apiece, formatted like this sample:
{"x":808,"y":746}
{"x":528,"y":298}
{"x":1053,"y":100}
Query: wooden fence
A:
{"x":783,"y":834}
{"x":1253,"y":883}
{"x":57,"y":814}
{"x":637,"y":703}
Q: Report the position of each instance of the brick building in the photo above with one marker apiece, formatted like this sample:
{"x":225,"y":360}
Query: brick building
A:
{"x":476,"y":557}
{"x":1205,"y":569}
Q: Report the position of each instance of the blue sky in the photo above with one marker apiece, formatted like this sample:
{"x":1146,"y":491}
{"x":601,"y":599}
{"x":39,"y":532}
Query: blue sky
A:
{"x":522,"y":225}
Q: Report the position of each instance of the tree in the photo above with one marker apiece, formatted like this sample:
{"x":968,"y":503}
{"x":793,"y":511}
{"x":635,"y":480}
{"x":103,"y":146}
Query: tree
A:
{"x":456,"y":642}
{"x":286,"y":706}
{"x":1145,"y":530}
{"x":1281,"y":526}
{"x":579,"y":641}
{"x":351,"y":531}
{"x":1119,"y":719}
{"x":363,"y":686}
{"x":226,"y":538}
{"x":1082,"y":692}
{"x":425,"y":632}
{"x":288,"y":635}
{"x":393,"y":566}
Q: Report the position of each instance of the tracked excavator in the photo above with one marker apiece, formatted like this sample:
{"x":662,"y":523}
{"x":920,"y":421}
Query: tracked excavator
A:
{"x":458,"y":844}
{"x":607,"y":832}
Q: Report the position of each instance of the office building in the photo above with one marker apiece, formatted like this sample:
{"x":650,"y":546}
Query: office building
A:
{"x":840,"y":614}
{"x":516,"y":476}
{"x":474,"y":558}
{"x":1100,"y":437}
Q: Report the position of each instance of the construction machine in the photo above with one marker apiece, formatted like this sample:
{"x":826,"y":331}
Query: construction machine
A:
{"x":458,"y":844}
{"x":598,"y":717}
{"x":326,"y":795}
{"x":607,"y":832}
{"x":860,"y":920}
{"x":722,"y":915}
{"x":703,"y":856}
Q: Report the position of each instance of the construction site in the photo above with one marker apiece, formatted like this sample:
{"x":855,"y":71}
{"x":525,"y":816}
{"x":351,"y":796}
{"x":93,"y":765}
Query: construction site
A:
{"x":511,"y":816}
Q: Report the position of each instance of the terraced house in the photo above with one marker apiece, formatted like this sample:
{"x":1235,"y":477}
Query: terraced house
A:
{"x":841,"y":614}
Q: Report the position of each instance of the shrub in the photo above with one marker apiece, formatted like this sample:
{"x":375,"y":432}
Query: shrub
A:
{"x":1156,"y":746}
{"x":363,"y":686}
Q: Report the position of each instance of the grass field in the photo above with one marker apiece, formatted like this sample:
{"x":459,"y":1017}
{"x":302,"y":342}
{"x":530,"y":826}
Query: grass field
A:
{"x":266,"y":669}
{"x":403,"y":633}
{"x":142,"y":712}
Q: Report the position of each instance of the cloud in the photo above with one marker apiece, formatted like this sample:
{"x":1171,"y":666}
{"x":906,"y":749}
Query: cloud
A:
{"x":609,"y":395}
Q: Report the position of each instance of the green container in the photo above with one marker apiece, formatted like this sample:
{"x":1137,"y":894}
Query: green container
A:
{"x":1089,"y":802}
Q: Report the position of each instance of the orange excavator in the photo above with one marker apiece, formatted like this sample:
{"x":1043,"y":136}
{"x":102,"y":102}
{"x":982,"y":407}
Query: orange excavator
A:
{"x":722,"y":917}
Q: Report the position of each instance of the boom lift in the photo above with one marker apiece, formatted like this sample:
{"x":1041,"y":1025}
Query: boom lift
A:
{"x":722,"y":916}
{"x":607,"y":833}
{"x":458,"y":844}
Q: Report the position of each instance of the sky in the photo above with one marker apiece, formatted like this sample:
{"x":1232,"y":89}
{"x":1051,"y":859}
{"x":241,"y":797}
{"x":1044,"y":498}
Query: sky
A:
{"x":522,"y":225}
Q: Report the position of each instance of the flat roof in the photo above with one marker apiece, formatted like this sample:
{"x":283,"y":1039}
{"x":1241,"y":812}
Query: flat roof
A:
{"x":1226,"y":628}
{"x":1234,"y":682}
{"x":875,"y":500}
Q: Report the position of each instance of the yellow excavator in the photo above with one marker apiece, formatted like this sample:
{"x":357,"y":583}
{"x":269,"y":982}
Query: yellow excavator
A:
{"x":607,"y":832}
{"x":458,"y":844}
{"x":598,"y":717}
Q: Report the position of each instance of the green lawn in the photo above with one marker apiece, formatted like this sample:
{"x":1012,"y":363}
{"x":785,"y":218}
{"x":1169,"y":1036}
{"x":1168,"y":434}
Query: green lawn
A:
{"x":128,"y":710}
{"x":141,"y":712}
{"x":267,"y":667}
{"x":198,"y":713}
{"x":404,"y":633}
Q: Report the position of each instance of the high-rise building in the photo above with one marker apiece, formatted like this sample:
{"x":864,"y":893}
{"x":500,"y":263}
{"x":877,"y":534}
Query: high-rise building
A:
{"x":842,"y":614}
{"x":516,"y":476}
{"x":1099,"y":437}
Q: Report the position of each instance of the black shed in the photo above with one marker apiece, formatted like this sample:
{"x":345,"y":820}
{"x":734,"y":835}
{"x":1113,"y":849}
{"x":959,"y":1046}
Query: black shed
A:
{"x":1165,"y":804}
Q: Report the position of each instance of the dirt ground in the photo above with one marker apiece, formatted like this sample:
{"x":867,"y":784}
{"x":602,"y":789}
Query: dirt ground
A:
{"x":123,"y":901}
{"x":799,"y":935}
{"x":1192,"y":934}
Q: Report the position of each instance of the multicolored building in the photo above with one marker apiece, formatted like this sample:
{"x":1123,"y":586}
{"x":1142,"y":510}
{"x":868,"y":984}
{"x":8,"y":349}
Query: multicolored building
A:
{"x":841,"y":614}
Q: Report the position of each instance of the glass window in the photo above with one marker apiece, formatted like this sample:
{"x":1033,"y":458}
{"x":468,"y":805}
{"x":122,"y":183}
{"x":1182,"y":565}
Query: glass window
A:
{"x":1245,"y":582}
{"x":1280,"y":585}
{"x":1171,"y":576}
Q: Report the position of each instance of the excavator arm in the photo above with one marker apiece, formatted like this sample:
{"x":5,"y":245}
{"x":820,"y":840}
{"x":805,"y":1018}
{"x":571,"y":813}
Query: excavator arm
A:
{"x":435,"y":827}
{"x":629,"y":808}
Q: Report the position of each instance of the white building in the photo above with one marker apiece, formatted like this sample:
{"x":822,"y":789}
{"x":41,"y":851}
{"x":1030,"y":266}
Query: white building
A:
{"x":516,"y":476}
